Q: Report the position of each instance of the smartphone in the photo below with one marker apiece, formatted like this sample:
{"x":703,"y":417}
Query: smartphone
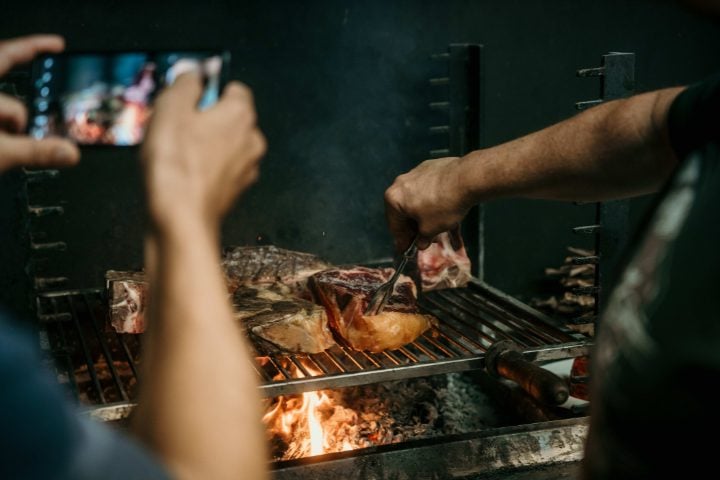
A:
{"x":105,"y":98}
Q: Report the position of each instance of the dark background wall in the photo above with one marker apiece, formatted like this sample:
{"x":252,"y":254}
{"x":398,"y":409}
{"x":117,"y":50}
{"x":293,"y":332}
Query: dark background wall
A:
{"x":341,"y":89}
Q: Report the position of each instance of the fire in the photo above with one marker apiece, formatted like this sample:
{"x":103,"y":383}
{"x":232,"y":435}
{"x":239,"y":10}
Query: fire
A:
{"x":299,"y":421}
{"x":312,"y":424}
{"x":317,"y":437}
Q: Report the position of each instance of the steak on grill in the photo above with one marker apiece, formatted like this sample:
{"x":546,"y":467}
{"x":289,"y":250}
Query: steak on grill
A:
{"x":262,"y":265}
{"x":443,"y":266}
{"x":127,"y":292}
{"x":268,"y":265}
{"x":275,"y":320}
{"x":345,"y":294}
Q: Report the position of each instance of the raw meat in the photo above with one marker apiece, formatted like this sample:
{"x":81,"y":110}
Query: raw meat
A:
{"x":277,"y":321}
{"x":442,"y":266}
{"x":345,"y":295}
{"x":127,"y":293}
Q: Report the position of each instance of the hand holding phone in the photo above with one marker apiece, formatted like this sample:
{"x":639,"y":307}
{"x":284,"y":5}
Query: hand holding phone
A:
{"x":106,"y":98}
{"x":17,"y":149}
{"x":197,"y":163}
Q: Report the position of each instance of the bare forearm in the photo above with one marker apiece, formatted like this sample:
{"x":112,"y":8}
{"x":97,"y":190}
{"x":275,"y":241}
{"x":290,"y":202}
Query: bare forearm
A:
{"x":199,"y":399}
{"x":615,"y":150}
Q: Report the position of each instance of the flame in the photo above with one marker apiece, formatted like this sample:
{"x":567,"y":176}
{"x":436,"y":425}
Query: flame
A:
{"x":300,"y":420}
{"x":317,"y":436}
{"x":310,"y":423}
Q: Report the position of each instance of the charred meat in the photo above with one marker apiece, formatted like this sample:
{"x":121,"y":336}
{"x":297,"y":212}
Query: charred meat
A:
{"x":268,"y":265}
{"x":243,"y":266}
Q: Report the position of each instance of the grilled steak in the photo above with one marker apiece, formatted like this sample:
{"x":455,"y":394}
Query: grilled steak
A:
{"x":267,"y":265}
{"x":127,"y":294}
{"x":443,"y":266}
{"x":275,"y":320}
{"x":243,"y":266}
{"x":346,"y":293}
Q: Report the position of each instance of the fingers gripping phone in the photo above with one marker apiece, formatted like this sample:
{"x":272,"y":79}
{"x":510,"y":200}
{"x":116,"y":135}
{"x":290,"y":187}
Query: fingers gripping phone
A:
{"x":96,"y":98}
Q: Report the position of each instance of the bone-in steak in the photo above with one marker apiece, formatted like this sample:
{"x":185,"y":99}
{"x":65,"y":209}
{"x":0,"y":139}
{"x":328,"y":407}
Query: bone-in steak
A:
{"x":282,"y":271}
{"x":127,"y":292}
{"x":346,"y":292}
{"x":267,"y":265}
{"x":275,"y":320}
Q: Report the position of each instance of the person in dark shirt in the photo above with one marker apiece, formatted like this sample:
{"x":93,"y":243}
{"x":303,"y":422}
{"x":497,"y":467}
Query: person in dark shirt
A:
{"x":656,"y":364}
{"x":195,"y":165}
{"x":657,"y":360}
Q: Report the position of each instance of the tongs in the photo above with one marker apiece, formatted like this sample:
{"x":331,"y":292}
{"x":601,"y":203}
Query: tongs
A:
{"x":384,"y":292}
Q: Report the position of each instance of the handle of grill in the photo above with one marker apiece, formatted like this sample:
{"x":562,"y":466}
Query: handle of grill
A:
{"x":504,"y":359}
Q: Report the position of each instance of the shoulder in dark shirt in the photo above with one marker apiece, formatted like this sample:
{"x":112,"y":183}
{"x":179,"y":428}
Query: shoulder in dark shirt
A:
{"x":694,"y":118}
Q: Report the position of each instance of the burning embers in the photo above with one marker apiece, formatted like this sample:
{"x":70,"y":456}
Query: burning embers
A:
{"x":329,"y":421}
{"x":311,"y":424}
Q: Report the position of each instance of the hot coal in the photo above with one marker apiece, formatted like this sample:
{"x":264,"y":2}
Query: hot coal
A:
{"x":392,"y":412}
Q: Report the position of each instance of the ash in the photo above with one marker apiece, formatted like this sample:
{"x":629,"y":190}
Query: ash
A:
{"x":398,"y":411}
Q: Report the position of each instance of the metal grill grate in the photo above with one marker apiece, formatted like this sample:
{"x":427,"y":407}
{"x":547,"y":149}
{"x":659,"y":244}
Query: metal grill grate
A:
{"x":100,"y":366}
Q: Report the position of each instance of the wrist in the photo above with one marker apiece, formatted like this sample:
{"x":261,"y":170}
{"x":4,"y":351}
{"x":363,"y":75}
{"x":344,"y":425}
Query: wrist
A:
{"x":467,"y":188}
{"x":183,"y":225}
{"x":484,"y":175}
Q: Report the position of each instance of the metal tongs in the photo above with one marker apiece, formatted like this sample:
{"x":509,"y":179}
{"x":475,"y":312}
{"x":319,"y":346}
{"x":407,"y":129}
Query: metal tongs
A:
{"x":384,"y":292}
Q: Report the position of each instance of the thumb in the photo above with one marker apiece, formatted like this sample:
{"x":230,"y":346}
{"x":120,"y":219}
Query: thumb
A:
{"x":402,"y":228}
{"x":23,"y":151}
{"x":183,"y":95}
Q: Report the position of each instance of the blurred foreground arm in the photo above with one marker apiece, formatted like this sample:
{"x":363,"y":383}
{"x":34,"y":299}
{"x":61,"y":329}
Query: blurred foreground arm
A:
{"x":614,"y":150}
{"x":199,"y":406}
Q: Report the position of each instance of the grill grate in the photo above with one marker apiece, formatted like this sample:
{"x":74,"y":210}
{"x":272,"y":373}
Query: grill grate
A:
{"x":100,"y":366}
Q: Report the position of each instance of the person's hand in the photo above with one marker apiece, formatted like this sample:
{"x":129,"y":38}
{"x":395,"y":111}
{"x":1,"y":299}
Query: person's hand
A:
{"x":16,"y":149}
{"x":427,"y":200}
{"x":197,"y":162}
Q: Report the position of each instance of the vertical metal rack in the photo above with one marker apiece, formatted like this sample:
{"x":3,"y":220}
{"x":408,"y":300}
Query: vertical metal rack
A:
{"x":38,"y":207}
{"x":460,"y":127}
{"x":617,"y":80}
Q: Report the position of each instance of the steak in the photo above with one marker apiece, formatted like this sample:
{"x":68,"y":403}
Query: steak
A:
{"x":268,"y":265}
{"x":275,"y":320}
{"x":443,"y":265}
{"x":243,"y":266}
{"x":127,"y":293}
{"x":345,"y":293}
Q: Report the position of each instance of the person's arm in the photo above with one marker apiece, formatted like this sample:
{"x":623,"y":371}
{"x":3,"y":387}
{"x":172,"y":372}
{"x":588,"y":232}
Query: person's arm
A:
{"x":614,"y":150}
{"x":199,"y":406}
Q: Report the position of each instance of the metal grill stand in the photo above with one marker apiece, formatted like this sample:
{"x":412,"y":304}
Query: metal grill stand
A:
{"x":83,"y":345}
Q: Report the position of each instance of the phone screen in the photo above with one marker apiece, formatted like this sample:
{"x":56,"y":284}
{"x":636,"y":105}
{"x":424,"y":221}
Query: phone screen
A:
{"x":106,"y":98}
